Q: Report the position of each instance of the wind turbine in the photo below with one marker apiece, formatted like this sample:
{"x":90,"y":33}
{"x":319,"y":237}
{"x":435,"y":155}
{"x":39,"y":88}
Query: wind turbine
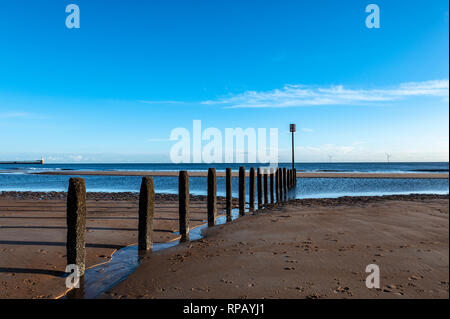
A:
{"x":388,"y":157}
{"x":330,"y":158}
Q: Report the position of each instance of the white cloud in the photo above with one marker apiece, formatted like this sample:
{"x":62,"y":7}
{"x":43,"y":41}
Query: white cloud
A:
{"x":301,"y":95}
{"x":76,"y":158}
{"x":307,"y":130}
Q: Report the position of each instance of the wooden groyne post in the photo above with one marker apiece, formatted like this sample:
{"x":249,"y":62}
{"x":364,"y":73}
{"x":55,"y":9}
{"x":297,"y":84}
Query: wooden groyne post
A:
{"x":280,"y":184}
{"x":252,"y":189}
{"x":212,"y":197}
{"x":288,"y":179}
{"x":241,"y":190}
{"x":76,"y":224}
{"x":266,"y":190}
{"x":272,"y":185}
{"x":260,"y":194}
{"x":183,"y":200}
{"x":284,"y":183}
{"x":229,"y":194}
{"x":146,"y":213}
{"x":277,"y":185}
{"x":292,"y":178}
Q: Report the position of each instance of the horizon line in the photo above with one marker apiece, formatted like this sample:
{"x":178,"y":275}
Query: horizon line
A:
{"x":202,"y":163}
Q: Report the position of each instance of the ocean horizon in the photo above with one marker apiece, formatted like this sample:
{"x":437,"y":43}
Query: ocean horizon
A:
{"x":354,"y":167}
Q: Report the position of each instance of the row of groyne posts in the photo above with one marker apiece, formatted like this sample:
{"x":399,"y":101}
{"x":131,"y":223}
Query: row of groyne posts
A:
{"x":273,"y":187}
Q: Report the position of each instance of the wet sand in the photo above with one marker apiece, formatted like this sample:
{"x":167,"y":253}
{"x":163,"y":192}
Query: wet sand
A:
{"x":33,"y":235}
{"x":236,"y":174}
{"x":315,"y":248}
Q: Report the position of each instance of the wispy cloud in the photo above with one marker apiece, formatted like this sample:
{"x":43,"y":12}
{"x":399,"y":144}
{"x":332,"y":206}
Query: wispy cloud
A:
{"x":302,"y":95}
{"x":307,"y":130}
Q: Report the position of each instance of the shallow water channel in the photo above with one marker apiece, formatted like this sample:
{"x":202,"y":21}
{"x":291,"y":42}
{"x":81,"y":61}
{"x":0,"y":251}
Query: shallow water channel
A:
{"x":124,"y":262}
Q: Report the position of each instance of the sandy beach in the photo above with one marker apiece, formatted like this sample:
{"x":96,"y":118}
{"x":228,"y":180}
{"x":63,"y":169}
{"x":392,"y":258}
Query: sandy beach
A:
{"x":309,"y":249}
{"x":33,"y":235}
{"x":202,"y":156}
{"x":312,"y":248}
{"x":236,"y":174}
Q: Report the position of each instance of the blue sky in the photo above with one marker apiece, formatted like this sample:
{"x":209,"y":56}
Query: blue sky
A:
{"x":113,"y":90}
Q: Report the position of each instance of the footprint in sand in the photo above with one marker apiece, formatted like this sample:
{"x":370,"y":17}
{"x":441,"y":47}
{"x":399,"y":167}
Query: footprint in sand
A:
{"x":343,"y":290}
{"x":289,"y":268}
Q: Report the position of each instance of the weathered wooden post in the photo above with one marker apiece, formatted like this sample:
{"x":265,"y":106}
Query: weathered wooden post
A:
{"x":259,"y":182}
{"x":277,"y":190}
{"x":252,"y":189}
{"x":288,"y":179}
{"x":287,"y":185}
{"x":280,"y":184}
{"x":183,"y":201}
{"x":266,"y":190}
{"x":212,"y":197}
{"x":229,"y":195}
{"x":284,"y":183}
{"x":146,"y":212}
{"x":272,"y":194}
{"x":241,"y":190}
{"x":292,"y":178}
{"x":295,"y":176}
{"x":76,"y":224}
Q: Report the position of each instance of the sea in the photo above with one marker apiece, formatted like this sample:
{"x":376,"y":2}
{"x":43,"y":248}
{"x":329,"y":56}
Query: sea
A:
{"x":20,"y":177}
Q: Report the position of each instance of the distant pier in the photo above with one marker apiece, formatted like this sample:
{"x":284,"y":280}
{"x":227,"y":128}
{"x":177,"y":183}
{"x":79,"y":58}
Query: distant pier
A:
{"x":39,"y":162}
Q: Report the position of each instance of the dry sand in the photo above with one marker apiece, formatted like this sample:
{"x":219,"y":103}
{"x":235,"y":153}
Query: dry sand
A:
{"x":235,"y":174}
{"x":309,"y":249}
